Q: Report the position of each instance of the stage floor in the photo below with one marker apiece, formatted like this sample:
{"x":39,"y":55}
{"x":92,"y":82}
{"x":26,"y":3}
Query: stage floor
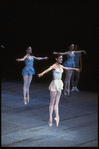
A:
{"x":27,"y":125}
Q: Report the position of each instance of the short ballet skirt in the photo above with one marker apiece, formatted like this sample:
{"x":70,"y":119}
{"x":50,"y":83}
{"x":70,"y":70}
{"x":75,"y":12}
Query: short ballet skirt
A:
{"x":69,"y":64}
{"x":56,"y":85}
{"x":28,"y":71}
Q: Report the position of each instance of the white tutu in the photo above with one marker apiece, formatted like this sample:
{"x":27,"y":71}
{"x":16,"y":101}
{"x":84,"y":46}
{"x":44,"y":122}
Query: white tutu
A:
{"x":56,"y":85}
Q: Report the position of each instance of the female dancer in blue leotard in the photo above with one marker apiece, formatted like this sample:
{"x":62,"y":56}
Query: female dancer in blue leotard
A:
{"x":28,"y":72}
{"x":69,"y":63}
{"x":55,"y":87}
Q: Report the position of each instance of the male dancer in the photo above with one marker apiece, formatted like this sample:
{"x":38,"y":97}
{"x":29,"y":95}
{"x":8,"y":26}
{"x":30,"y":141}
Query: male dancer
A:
{"x":76,"y":74}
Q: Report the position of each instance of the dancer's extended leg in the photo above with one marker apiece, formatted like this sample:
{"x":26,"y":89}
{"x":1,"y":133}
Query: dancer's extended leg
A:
{"x":28,"y":85}
{"x":25,"y":78}
{"x":56,"y":109}
{"x":52,"y":100}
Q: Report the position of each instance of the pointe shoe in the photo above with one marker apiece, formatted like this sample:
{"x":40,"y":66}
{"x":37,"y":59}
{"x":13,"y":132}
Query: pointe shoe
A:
{"x":25,"y":101}
{"x":50,"y":123}
{"x":57,"y":121}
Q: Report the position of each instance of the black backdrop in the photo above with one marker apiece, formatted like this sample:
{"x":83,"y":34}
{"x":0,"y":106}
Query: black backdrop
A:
{"x":47,"y":26}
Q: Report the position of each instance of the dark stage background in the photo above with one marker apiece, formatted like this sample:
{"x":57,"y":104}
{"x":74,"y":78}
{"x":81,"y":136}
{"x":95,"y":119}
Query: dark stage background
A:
{"x":47,"y":26}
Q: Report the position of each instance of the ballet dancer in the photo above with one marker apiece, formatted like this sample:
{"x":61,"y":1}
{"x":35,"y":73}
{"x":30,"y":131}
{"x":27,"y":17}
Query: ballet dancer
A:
{"x":69,"y":63}
{"x":28,"y":72}
{"x":55,"y":87}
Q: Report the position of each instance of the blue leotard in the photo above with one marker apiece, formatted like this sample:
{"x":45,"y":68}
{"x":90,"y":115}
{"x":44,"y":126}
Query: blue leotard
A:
{"x":70,"y":61}
{"x":28,"y":69}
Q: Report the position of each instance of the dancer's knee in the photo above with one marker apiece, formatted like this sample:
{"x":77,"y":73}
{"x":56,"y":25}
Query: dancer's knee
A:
{"x":51,"y":104}
{"x":28,"y":86}
{"x":56,"y":104}
{"x":25,"y":87}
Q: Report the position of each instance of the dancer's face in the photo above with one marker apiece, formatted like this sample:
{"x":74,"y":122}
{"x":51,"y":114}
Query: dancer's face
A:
{"x":72,"y":47}
{"x":59,"y":59}
{"x":29,"y":50}
{"x":76,"y":47}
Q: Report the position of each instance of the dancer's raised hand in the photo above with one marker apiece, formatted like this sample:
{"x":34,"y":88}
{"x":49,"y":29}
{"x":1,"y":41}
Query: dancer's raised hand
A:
{"x":84,"y":52}
{"x":77,"y":70}
{"x":18,"y":59}
{"x":54,"y":52}
{"x":40,"y":75}
{"x":46,"y":57}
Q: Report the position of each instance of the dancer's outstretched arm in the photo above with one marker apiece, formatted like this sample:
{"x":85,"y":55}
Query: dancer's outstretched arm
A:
{"x":40,"y":58}
{"x":21,"y":59}
{"x":62,"y":53}
{"x":47,"y":70}
{"x":79,"y":51}
{"x":69,"y":68}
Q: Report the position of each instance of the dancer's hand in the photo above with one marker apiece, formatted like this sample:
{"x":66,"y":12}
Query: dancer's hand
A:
{"x":54,"y":52}
{"x":40,"y":75}
{"x":46,"y":57}
{"x":18,"y":59}
{"x":84,"y":52}
{"x":78,"y":70}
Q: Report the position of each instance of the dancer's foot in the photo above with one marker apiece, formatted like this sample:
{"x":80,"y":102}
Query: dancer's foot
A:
{"x":25,"y":101}
{"x":57,"y":121}
{"x":64,"y":92}
{"x":50,"y":122}
{"x":76,"y":89}
{"x":73,"y":89}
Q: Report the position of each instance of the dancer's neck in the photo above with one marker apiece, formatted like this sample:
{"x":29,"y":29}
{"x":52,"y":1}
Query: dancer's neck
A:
{"x":28,"y":54}
{"x":57,"y":63}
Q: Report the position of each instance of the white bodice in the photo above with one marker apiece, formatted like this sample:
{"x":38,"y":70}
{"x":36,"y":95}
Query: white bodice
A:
{"x":57,"y":74}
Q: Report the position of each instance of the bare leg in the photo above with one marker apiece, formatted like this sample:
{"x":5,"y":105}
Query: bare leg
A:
{"x":29,"y":82}
{"x":56,"y":109}
{"x":52,"y":100}
{"x":25,"y":78}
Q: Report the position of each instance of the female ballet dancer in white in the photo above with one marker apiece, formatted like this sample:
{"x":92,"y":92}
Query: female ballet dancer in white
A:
{"x":69,"y":63}
{"x":28,"y":72}
{"x":55,"y":87}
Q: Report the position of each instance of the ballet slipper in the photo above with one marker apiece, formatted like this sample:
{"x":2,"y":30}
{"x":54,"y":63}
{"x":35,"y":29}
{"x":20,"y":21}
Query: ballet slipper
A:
{"x":50,"y":121}
{"x":57,"y":121}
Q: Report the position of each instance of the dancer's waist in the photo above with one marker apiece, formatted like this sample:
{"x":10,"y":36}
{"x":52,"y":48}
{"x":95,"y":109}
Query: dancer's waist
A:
{"x":28,"y":66}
